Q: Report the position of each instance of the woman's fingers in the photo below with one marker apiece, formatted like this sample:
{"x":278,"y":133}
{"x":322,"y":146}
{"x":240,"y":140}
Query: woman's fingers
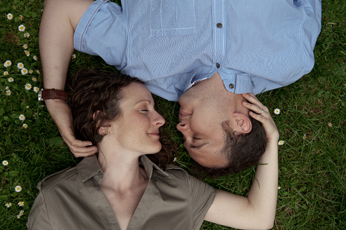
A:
{"x":261,"y":114}
{"x":256,"y":105}
{"x":79,"y":148}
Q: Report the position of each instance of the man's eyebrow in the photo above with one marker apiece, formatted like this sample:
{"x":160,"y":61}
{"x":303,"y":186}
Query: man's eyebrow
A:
{"x":198,"y":146}
{"x":143,"y":101}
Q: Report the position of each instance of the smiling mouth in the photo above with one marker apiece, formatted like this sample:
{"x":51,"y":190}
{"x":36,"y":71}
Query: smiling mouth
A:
{"x":183,"y":114}
{"x":154,"y":134}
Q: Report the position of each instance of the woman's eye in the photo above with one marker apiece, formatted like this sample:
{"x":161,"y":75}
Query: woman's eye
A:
{"x":145,"y":110}
{"x":196,"y":138}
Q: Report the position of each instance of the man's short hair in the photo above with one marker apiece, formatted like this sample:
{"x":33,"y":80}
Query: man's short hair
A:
{"x":241,"y":150}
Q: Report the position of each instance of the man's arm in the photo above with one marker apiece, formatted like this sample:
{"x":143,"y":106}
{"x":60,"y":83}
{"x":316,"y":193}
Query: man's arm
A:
{"x":257,"y":210}
{"x":59,"y":21}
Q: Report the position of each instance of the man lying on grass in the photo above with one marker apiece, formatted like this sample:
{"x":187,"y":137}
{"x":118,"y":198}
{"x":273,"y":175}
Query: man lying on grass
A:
{"x":203,"y":53}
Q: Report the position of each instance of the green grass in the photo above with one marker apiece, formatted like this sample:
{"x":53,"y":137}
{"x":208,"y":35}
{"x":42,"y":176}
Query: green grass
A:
{"x":312,"y":170}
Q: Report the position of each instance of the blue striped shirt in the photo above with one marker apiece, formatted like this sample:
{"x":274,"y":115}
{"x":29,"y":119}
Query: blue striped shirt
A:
{"x":170,"y":44}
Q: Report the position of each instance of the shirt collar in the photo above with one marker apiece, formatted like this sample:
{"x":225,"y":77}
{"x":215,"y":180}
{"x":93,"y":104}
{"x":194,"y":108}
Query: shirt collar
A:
{"x":149,"y":166}
{"x":89,"y":167}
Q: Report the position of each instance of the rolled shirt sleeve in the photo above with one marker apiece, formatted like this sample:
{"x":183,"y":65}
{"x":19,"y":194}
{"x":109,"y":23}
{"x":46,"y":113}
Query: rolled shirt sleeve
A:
{"x":202,"y":197}
{"x":92,"y":33}
{"x":38,"y":218}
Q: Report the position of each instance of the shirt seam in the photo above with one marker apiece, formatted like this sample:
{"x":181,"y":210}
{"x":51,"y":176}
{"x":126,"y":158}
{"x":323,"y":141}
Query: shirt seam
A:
{"x":45,"y":205}
{"x":70,"y":174}
{"x":88,"y":23}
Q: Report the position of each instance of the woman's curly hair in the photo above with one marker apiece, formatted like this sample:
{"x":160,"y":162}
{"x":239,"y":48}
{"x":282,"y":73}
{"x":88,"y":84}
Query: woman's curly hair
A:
{"x":95,"y":98}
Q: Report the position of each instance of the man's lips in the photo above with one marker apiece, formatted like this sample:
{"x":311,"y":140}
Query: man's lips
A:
{"x":183,"y":114}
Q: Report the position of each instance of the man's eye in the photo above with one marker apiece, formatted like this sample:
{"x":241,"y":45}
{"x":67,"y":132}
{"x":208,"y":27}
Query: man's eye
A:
{"x":145,"y":110}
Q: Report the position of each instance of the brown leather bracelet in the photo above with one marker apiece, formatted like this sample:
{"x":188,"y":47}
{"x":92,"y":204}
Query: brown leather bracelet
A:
{"x":46,"y":94}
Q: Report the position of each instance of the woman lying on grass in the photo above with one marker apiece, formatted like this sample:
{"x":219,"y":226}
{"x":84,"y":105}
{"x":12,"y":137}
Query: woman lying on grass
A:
{"x":122,"y":189}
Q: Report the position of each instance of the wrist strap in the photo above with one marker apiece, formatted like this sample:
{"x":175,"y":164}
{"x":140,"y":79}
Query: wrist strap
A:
{"x":54,"y":94}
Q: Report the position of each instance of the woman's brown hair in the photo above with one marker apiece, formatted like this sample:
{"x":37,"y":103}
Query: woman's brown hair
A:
{"x":95,"y":99}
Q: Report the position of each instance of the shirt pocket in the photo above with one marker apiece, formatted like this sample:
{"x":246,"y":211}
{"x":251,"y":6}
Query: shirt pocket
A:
{"x":172,"y":17}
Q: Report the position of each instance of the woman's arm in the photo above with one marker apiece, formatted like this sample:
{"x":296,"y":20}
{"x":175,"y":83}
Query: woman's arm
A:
{"x":59,"y":20}
{"x":257,"y":210}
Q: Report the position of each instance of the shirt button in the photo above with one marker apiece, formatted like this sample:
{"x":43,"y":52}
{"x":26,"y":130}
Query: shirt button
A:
{"x":217,"y":65}
{"x":219,"y":25}
{"x":231,"y":86}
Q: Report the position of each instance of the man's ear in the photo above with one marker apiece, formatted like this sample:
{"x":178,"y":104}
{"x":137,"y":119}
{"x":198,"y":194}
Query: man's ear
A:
{"x":243,"y":124}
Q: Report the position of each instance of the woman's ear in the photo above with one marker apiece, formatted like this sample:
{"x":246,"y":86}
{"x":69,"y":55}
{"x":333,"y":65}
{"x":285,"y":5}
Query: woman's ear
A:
{"x":103,"y":129}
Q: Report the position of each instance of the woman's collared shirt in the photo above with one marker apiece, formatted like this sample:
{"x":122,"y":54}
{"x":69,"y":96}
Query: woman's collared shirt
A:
{"x":72,"y":199}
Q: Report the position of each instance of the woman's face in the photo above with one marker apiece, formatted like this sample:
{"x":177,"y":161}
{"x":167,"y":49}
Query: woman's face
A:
{"x":137,"y":128}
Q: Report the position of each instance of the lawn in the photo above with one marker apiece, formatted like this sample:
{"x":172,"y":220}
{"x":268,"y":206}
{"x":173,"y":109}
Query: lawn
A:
{"x":312,"y":124}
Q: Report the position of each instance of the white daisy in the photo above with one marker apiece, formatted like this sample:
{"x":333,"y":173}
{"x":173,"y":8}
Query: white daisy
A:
{"x":74,"y":56}
{"x":9,"y":16}
{"x":28,"y":86}
{"x":18,"y":188}
{"x":37,"y":71}
{"x":21,"y":117}
{"x":18,"y":216}
{"x":21,"y":212}
{"x":21,"y":27}
{"x":21,"y":203}
{"x":35,"y":57}
{"x":20,"y":65}
{"x":8,"y":205}
{"x":25,"y":46}
{"x":7,"y":88}
{"x":27,"y":53}
{"x":7,"y":63}
{"x":6,"y":73}
{"x":8,"y":92}
{"x":34,"y":79}
{"x":26,"y":35}
{"x":277,"y":111}
{"x":24,"y":71}
{"x":36,"y":89}
{"x":31,"y":71}
{"x":5,"y":162}
{"x":281,"y":142}
{"x":10,"y":79}
{"x":25,"y":126}
{"x":21,"y":17}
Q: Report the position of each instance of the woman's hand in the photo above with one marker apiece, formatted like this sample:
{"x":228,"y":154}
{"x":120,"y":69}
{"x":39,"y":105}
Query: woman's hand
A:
{"x":262,"y":115}
{"x":62,"y":117}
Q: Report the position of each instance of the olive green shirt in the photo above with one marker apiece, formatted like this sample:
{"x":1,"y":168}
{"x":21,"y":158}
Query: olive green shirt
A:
{"x":72,"y":199}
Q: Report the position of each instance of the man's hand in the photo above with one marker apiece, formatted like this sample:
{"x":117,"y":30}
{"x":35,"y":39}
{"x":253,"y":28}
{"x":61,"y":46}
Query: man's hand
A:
{"x":62,"y":117}
{"x":262,"y":115}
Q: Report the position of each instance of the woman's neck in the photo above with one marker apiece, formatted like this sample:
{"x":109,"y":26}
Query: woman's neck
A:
{"x":121,"y":170}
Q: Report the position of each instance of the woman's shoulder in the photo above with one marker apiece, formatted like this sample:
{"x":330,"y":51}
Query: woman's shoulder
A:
{"x":50,"y":181}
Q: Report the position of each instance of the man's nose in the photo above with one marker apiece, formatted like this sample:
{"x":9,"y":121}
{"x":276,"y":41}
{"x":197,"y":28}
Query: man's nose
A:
{"x":183,"y":126}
